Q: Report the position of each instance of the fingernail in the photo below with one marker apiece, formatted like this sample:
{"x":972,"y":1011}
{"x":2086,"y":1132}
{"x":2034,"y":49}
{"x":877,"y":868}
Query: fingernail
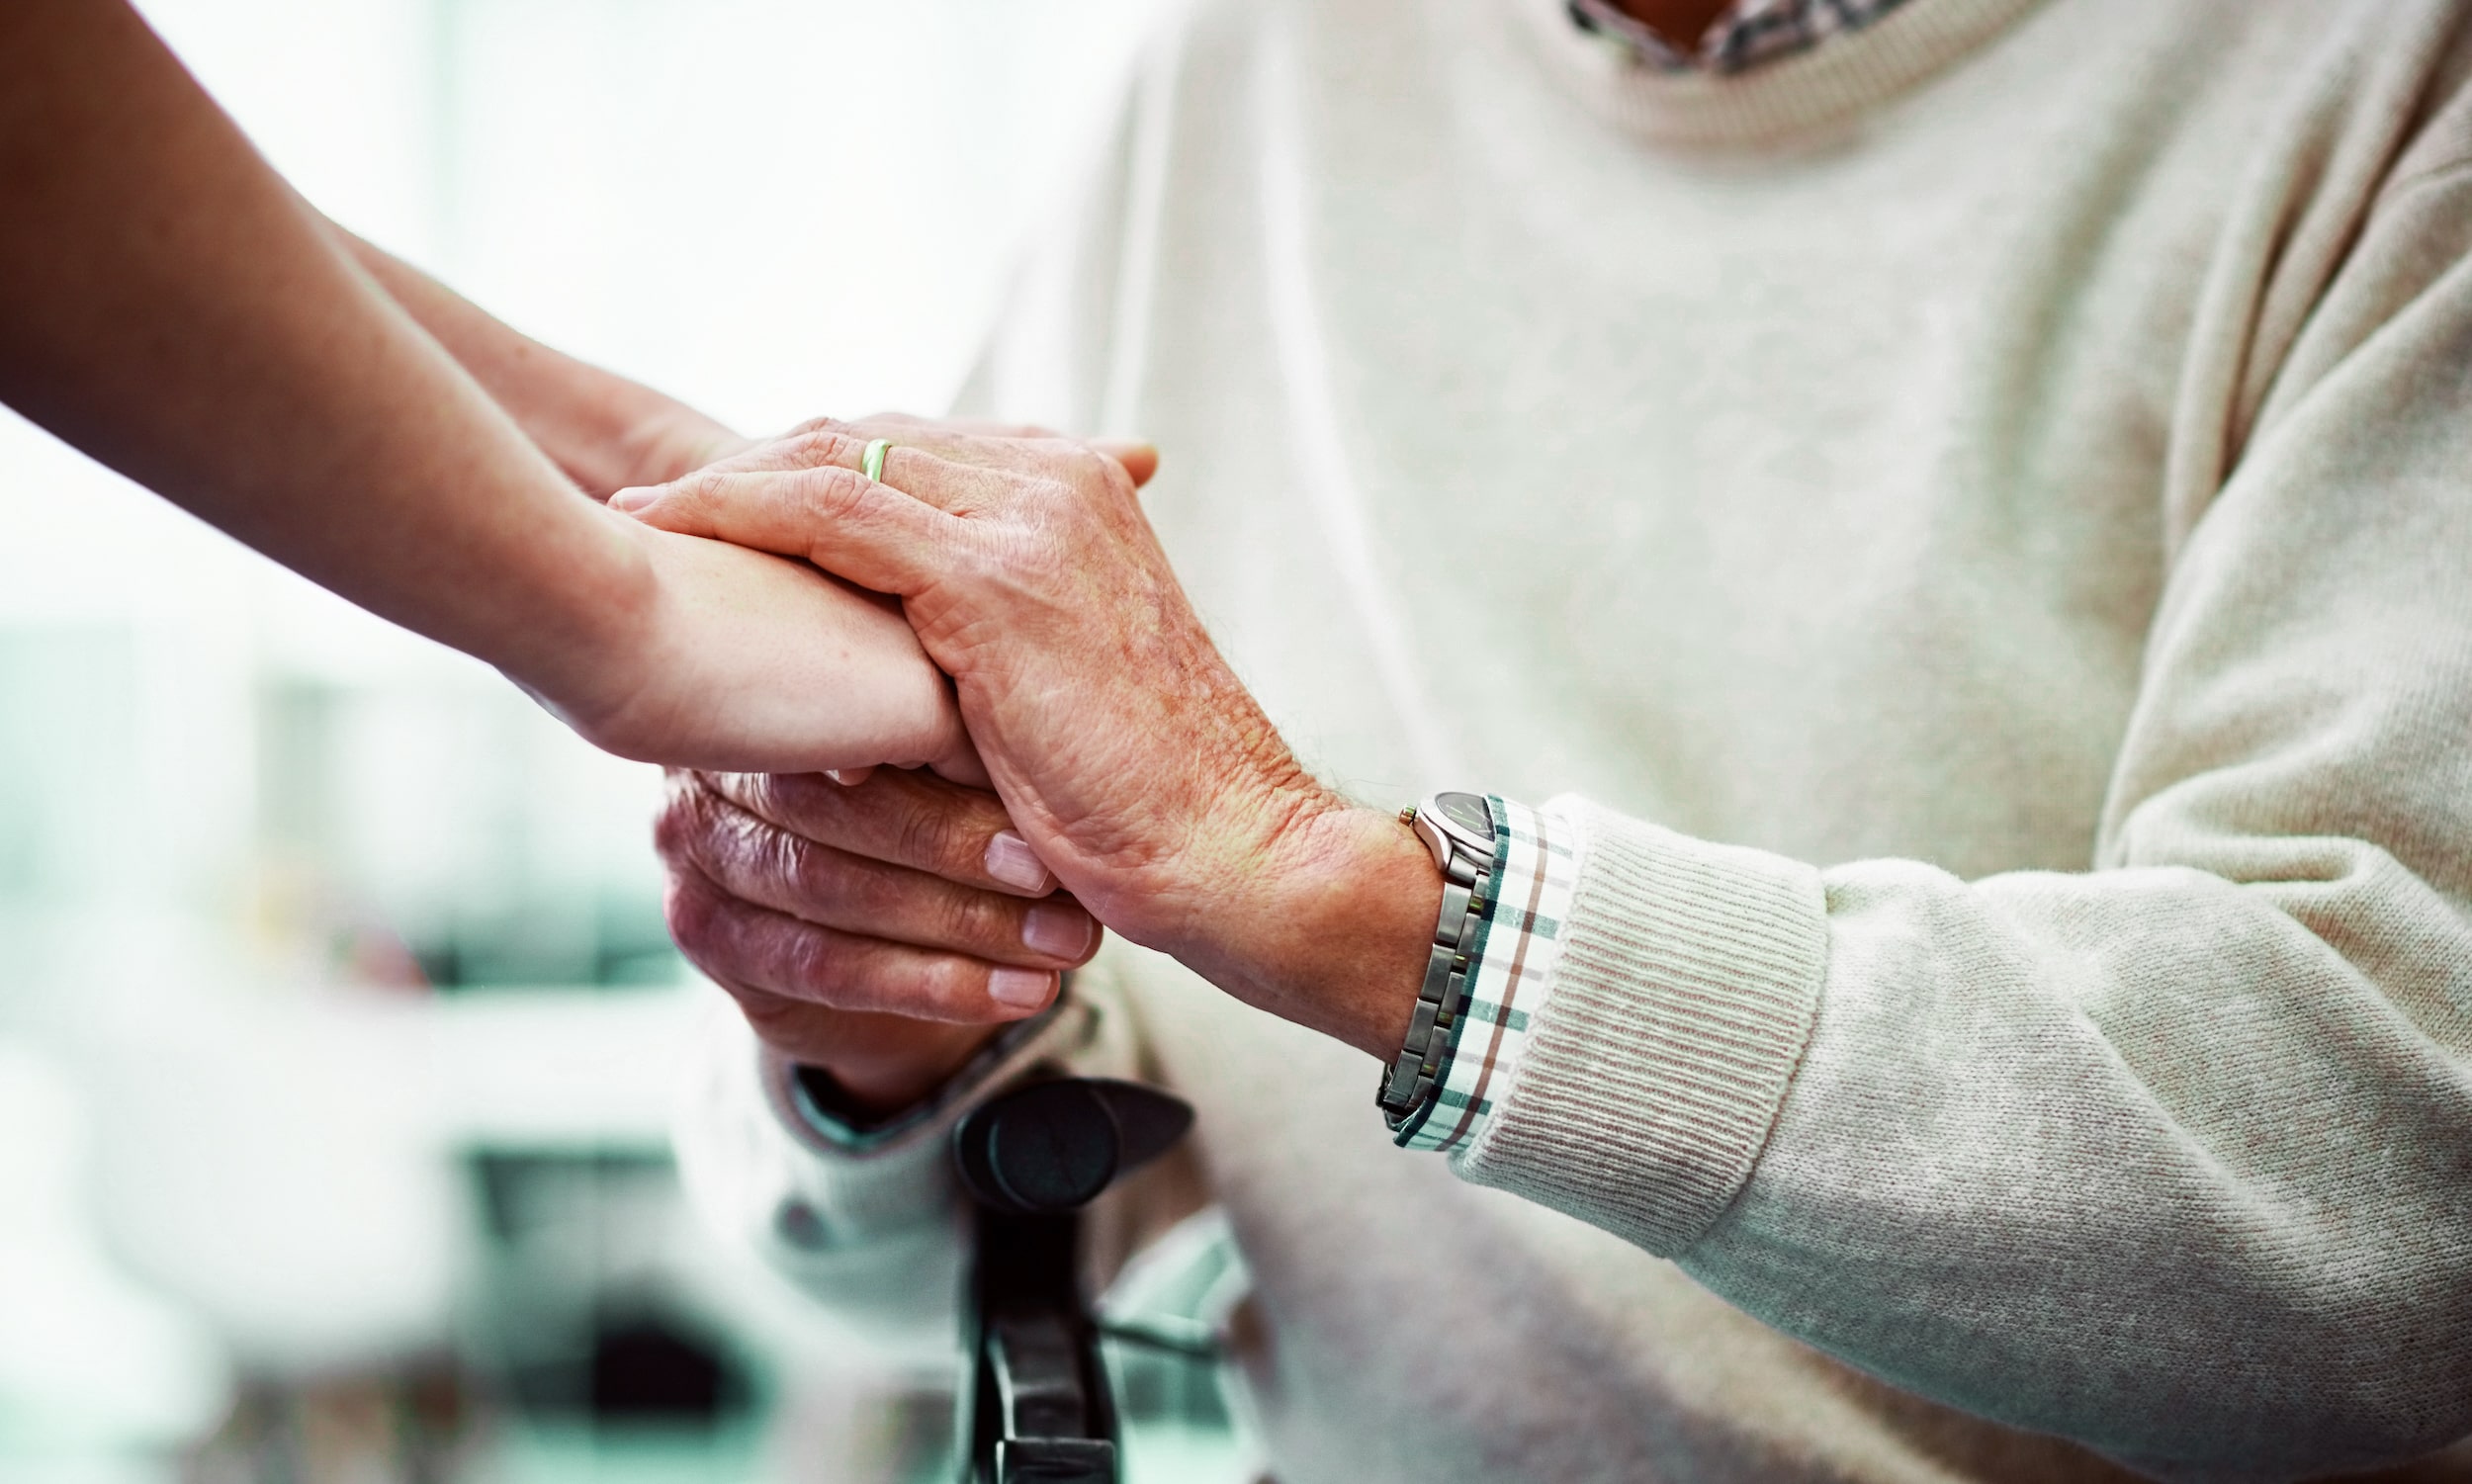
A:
{"x":1056,"y":929}
{"x":1010,"y":861}
{"x":630,"y":500}
{"x":1023,"y":989}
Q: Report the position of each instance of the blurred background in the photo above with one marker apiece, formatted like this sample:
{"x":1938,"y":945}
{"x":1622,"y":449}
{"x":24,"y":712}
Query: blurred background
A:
{"x":336,"y":1013}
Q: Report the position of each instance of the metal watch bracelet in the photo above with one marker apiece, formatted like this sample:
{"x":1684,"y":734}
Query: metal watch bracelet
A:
{"x":1457,"y":829}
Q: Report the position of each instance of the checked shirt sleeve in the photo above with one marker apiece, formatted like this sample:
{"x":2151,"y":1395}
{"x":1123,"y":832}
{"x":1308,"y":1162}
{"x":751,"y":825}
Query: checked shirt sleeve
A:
{"x":1509,"y":974}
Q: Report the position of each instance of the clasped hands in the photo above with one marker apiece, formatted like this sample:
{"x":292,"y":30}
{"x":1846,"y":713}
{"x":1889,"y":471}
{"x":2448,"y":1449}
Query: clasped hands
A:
{"x":883,"y":925}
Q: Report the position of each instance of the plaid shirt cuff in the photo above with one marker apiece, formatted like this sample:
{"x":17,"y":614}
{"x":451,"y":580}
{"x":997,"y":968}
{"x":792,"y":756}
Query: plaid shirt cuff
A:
{"x":1510,"y":971}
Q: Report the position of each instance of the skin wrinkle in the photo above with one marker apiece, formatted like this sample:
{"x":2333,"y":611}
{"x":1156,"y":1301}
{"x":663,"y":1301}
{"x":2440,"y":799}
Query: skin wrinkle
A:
{"x":775,"y":868}
{"x":824,"y":994}
{"x":1039,"y":569}
{"x":1017,"y":565}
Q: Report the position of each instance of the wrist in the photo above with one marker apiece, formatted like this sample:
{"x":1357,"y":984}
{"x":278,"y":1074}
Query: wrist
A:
{"x":1330,"y":928}
{"x":668,"y":441}
{"x":882,"y":1066}
{"x":597,"y":657}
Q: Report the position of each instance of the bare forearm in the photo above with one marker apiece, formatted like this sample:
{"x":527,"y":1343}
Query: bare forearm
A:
{"x":170,"y":306}
{"x":1333,"y":930}
{"x":605,"y":432}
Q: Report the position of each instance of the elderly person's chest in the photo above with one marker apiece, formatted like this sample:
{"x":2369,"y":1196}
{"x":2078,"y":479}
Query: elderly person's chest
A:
{"x":1809,"y":503}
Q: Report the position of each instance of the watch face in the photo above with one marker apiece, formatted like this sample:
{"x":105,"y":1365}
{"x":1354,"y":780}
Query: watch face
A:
{"x":1468,"y":811}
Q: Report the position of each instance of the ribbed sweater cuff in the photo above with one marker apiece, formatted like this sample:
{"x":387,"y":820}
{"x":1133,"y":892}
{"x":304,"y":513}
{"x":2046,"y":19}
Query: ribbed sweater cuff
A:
{"x":1687,"y":986}
{"x":858,"y":1187}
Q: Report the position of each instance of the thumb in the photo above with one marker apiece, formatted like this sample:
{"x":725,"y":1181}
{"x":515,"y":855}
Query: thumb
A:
{"x":1139,"y":458}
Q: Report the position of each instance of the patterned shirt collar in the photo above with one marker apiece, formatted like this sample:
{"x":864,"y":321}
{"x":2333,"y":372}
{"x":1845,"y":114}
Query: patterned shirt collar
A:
{"x":1747,"y":33}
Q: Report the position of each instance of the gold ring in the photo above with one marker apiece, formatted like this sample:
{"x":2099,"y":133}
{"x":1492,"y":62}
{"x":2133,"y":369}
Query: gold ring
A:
{"x":875,"y":458}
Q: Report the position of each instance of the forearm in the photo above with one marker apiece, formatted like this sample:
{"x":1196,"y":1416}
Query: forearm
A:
{"x":1333,"y":930}
{"x":170,"y":306}
{"x":2196,"y":1104}
{"x":604,"y":431}
{"x":2138,"y":1156}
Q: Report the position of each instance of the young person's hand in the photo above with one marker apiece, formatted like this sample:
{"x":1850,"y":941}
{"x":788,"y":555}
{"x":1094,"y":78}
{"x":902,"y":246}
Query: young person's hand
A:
{"x":738,"y":660}
{"x":748,"y":662}
{"x":881,"y":930}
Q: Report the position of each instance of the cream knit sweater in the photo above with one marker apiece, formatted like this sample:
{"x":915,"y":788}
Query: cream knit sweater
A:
{"x":1984,"y":509}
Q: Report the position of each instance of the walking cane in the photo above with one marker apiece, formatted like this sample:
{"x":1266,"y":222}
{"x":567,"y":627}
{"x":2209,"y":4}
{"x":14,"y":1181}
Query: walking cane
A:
{"x":1040,"y":1409}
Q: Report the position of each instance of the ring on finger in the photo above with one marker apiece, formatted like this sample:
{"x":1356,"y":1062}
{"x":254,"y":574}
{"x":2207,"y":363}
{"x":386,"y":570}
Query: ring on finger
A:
{"x":874,"y":460}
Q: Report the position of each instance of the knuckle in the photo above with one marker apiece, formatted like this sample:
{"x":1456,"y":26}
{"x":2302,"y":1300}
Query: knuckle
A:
{"x":754,"y":791}
{"x":820,"y":445}
{"x":673,"y":826}
{"x":812,"y":805}
{"x":757,"y":794}
{"x":705,"y":486}
{"x":732,"y":846}
{"x":813,"y":967}
{"x":829,"y":492}
{"x":688,"y":817}
{"x":930,"y":839}
{"x":979,"y":918}
{"x":1085,"y":466}
{"x":694,"y":912}
{"x":785,"y":862}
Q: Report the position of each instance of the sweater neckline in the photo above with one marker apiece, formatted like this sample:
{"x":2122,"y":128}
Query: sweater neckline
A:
{"x":1845,"y":75}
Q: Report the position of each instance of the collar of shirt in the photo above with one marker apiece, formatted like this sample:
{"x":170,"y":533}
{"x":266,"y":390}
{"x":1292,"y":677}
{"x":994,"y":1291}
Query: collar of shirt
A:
{"x":1745,"y":34}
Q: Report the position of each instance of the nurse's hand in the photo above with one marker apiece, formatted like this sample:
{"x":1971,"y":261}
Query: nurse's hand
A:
{"x":716,"y":657}
{"x":881,"y":930}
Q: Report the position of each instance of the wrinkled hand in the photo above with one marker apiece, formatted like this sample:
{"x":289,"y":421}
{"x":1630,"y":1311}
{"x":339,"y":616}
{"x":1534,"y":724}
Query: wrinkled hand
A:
{"x":1125,"y":749}
{"x":881,"y":930}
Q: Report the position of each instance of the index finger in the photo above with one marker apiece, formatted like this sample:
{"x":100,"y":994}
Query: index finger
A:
{"x":843,"y":444}
{"x":909,"y":818}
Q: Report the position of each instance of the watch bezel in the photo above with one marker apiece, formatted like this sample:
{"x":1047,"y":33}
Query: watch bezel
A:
{"x":1439,"y":831}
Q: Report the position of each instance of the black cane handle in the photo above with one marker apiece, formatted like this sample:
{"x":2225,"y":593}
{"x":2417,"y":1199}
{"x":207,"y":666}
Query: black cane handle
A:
{"x":1053,"y":1146}
{"x":1041,"y":1412}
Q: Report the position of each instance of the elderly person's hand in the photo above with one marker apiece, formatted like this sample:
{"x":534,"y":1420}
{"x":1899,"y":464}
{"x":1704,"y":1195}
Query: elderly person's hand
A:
{"x":880,"y":929}
{"x":1127,"y":751}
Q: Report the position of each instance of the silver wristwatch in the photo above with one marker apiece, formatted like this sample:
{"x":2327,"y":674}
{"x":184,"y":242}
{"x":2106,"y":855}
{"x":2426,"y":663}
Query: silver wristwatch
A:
{"x":1458,"y":830}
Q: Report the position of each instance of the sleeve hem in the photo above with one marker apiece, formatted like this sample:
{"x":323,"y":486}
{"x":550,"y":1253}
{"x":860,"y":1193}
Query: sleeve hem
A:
{"x":793,"y":1092}
{"x":860,"y":1184}
{"x":1686,"y":989}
